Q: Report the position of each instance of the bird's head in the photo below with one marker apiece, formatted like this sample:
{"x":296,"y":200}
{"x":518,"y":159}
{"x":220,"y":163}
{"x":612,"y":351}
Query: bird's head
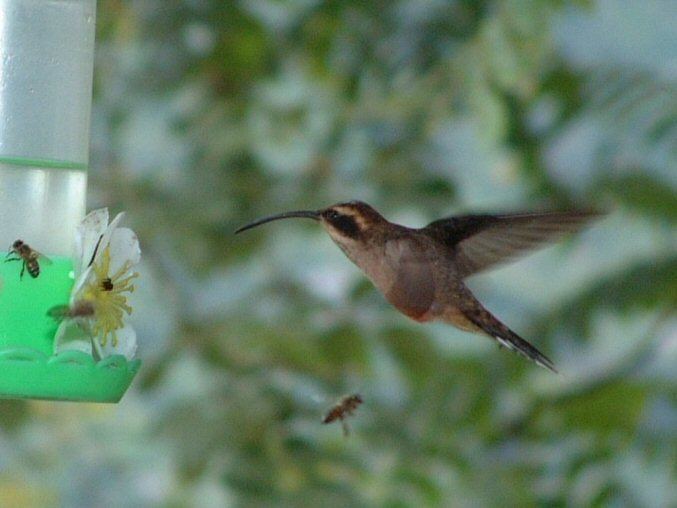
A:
{"x":345,"y":222}
{"x":349,"y":222}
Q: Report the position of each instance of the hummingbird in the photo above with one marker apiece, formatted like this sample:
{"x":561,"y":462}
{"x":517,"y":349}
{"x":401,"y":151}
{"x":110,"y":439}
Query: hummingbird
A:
{"x":422,"y":271}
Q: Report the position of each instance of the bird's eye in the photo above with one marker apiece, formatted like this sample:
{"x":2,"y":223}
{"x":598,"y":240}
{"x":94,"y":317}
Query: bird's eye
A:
{"x":332,"y":214}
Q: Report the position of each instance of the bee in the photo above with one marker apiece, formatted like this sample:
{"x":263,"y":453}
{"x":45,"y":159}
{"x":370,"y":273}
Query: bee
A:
{"x":79,"y":309}
{"x":342,"y":410}
{"x":28,"y":256}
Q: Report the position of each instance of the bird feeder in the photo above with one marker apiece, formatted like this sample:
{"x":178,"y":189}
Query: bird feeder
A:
{"x":46,"y":66}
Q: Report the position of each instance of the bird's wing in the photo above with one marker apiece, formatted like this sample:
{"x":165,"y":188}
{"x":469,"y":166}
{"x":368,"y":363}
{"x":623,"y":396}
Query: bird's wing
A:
{"x":408,"y":282}
{"x":479,"y":242}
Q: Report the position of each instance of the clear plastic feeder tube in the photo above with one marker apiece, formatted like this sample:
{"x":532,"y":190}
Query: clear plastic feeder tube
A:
{"x":46,"y":65}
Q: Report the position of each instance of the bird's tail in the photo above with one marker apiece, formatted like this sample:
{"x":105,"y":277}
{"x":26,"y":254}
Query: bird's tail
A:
{"x":482,"y":318}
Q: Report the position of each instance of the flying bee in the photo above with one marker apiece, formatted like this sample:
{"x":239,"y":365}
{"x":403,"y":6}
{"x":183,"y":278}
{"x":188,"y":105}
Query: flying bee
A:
{"x":79,"y":309}
{"x":28,"y":256}
{"x":342,"y":410}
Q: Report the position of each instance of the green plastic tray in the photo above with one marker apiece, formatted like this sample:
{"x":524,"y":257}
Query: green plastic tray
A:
{"x":70,"y":375}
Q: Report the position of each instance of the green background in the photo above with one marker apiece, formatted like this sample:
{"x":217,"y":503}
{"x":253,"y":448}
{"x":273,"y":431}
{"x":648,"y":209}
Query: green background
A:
{"x":208,"y":114}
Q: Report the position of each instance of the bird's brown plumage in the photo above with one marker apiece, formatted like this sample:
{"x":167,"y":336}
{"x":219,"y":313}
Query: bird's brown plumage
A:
{"x":480,"y":242}
{"x":421,"y":272}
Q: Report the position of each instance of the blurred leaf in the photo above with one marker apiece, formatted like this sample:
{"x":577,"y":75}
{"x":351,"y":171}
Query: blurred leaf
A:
{"x":646,"y":285}
{"x":14,"y":414}
{"x":414,"y":352}
{"x":611,"y":408}
{"x":644,"y":193}
{"x":344,"y":349}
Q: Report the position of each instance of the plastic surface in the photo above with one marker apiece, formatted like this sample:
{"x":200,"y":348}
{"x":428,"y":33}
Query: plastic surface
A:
{"x":46,"y":67}
{"x":71,"y":375}
{"x":27,"y":367}
{"x":24,"y":303}
{"x":43,"y":207}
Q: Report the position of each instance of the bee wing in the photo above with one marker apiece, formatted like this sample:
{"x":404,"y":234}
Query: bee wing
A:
{"x":42,"y":257}
{"x":58,"y":312}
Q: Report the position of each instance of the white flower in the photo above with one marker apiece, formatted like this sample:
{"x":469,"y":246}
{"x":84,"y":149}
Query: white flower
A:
{"x":104,"y":258}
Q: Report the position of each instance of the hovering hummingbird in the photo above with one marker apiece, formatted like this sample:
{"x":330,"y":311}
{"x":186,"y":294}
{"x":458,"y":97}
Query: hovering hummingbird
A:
{"x":421,"y":270}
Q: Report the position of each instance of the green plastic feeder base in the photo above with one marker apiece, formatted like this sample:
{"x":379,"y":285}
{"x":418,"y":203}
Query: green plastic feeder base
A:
{"x":71,"y":375}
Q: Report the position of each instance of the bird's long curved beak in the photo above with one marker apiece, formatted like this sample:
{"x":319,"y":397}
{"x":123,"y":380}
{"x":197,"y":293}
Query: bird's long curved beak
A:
{"x":308,"y":214}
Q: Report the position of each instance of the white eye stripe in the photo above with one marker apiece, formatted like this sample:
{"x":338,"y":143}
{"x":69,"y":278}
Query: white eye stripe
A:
{"x":345,"y":210}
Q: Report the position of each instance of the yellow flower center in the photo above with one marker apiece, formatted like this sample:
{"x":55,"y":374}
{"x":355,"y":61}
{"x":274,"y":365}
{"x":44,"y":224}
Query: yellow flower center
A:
{"x":106,"y":292}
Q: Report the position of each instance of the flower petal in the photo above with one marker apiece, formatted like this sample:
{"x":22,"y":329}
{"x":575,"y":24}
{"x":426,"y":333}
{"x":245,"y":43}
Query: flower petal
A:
{"x":108,"y":233}
{"x":69,"y":336}
{"x":79,"y":284}
{"x":102,"y":252}
{"x":126,"y":343}
{"x":124,"y":248}
{"x":86,"y":238}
